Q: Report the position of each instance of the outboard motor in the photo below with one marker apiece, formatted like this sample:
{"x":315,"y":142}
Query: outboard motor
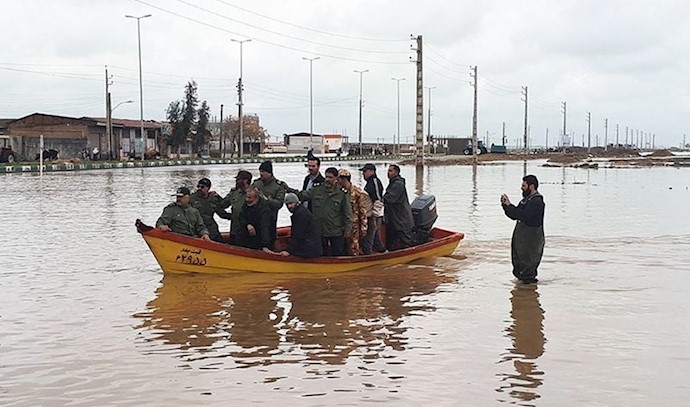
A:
{"x":424,"y":215}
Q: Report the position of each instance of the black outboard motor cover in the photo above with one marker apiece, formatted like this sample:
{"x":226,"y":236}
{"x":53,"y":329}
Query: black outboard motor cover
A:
{"x":424,"y":212}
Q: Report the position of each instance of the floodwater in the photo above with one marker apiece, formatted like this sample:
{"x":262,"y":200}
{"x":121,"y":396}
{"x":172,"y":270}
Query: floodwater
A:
{"x":88,"y":319}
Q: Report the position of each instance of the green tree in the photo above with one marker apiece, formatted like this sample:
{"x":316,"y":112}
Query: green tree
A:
{"x":174,"y":116}
{"x":203,"y":135}
{"x":189,"y":112}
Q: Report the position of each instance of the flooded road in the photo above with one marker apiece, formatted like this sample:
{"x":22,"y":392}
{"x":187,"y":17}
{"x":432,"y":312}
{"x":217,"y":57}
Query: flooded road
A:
{"x":87,"y":317}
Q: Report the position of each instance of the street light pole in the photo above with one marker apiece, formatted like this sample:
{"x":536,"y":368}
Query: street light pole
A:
{"x":110,"y":124}
{"x":311,"y":99}
{"x":141,"y":88}
{"x":240,"y":90}
{"x":361,"y":73}
{"x":398,"y":83}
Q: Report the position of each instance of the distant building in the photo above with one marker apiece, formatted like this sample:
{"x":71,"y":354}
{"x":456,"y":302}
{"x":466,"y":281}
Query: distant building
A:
{"x":73,"y":135}
{"x":301,"y":143}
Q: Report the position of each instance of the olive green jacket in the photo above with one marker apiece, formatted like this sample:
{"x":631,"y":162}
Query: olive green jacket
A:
{"x":207,"y":207}
{"x":184,"y":220}
{"x":331,"y":208}
{"x":273,"y":191}
{"x":234,"y":199}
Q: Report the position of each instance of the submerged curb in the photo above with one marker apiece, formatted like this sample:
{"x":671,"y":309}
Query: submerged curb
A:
{"x":102,"y":165}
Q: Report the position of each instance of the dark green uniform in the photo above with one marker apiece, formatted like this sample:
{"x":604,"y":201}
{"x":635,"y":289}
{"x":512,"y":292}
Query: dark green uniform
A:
{"x":274,"y":192}
{"x":207,"y":207}
{"x":331,"y":208}
{"x":184,"y":220}
{"x":234,"y":199}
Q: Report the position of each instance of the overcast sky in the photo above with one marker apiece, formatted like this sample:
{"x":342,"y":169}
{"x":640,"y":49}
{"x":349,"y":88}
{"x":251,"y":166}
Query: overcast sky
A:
{"x":621,"y":60}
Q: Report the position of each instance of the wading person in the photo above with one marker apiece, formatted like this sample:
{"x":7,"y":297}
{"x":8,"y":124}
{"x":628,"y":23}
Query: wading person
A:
{"x":527,"y":244}
{"x":208,"y":204}
{"x":332,"y":210}
{"x":305,"y":239}
{"x":361,"y":205}
{"x":180,"y":217}
{"x":255,"y":222}
{"x":397,"y":211}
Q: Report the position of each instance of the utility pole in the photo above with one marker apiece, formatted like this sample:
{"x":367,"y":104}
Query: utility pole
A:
{"x":361,"y":73}
{"x":311,"y":99}
{"x":617,"y":136}
{"x":473,"y":75}
{"x":653,"y":141}
{"x":547,"y":138}
{"x":141,"y":90}
{"x":589,"y":132}
{"x":503,"y":138}
{"x":684,"y":142}
{"x":524,"y":94}
{"x":565,"y":134}
{"x":428,"y":134}
{"x":397,"y":80}
{"x":419,"y":130}
{"x":606,"y":134}
{"x":108,"y":115}
{"x":626,"y":137}
{"x":223,"y":144}
{"x":240,"y":102}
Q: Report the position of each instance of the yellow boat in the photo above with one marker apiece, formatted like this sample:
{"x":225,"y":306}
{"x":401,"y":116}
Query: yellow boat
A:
{"x":178,"y":253}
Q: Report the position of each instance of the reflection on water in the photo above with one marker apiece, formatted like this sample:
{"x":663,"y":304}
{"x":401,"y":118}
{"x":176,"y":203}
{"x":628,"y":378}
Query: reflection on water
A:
{"x":526,"y":332}
{"x":255,"y":319}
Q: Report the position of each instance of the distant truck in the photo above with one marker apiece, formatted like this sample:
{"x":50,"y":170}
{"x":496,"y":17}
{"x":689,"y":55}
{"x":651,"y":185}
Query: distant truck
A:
{"x":498,"y":149}
{"x":480,"y":147}
{"x":7,"y":155}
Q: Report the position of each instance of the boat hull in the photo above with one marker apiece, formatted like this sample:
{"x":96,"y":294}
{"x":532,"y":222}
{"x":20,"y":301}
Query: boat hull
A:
{"x":183,"y":254}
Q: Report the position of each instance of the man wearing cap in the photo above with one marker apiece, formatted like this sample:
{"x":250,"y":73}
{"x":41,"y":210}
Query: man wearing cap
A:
{"x":255,"y":222}
{"x":374,"y":188}
{"x":314,"y":176}
{"x":208,"y":204}
{"x":235,"y":199}
{"x":273,"y":190}
{"x":361,"y":205}
{"x":180,"y":217}
{"x":305,"y":239}
{"x":332,"y":209}
{"x":397,"y":212}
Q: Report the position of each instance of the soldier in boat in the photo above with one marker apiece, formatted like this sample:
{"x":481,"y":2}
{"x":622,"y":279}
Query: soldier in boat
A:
{"x":181,"y":217}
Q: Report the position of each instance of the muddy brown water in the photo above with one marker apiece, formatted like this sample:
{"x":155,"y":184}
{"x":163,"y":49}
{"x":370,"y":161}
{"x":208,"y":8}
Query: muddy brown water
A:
{"x":87,"y":317}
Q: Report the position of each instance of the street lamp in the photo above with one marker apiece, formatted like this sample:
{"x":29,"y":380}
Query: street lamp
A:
{"x":141,"y":88}
{"x":240,"y":89}
{"x":110,"y":127}
{"x":361,"y":73}
{"x":398,"y":83}
{"x":311,"y":99}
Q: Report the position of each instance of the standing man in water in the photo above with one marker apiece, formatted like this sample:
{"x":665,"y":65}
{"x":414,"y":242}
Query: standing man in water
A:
{"x":527,"y":244}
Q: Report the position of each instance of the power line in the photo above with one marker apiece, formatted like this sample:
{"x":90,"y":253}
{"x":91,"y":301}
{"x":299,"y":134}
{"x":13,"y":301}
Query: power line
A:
{"x":287,"y":35}
{"x":311,"y":29}
{"x":265,"y":41}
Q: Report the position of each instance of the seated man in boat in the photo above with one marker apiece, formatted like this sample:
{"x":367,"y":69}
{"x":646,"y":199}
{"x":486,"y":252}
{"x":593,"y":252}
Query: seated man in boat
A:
{"x":255,"y":222}
{"x":305,"y":240}
{"x":180,"y":217}
{"x":208,"y":205}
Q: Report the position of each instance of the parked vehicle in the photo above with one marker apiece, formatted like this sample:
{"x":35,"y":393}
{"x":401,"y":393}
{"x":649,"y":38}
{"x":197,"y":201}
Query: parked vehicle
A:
{"x":495,"y":149}
{"x":480,"y":147}
{"x":7,"y":155}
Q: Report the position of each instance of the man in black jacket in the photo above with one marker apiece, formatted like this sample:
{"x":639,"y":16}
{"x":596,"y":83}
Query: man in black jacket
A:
{"x":305,"y":240}
{"x":314,"y":177}
{"x":372,"y":241}
{"x":397,"y":211}
{"x":527,"y":244}
{"x":255,"y":222}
